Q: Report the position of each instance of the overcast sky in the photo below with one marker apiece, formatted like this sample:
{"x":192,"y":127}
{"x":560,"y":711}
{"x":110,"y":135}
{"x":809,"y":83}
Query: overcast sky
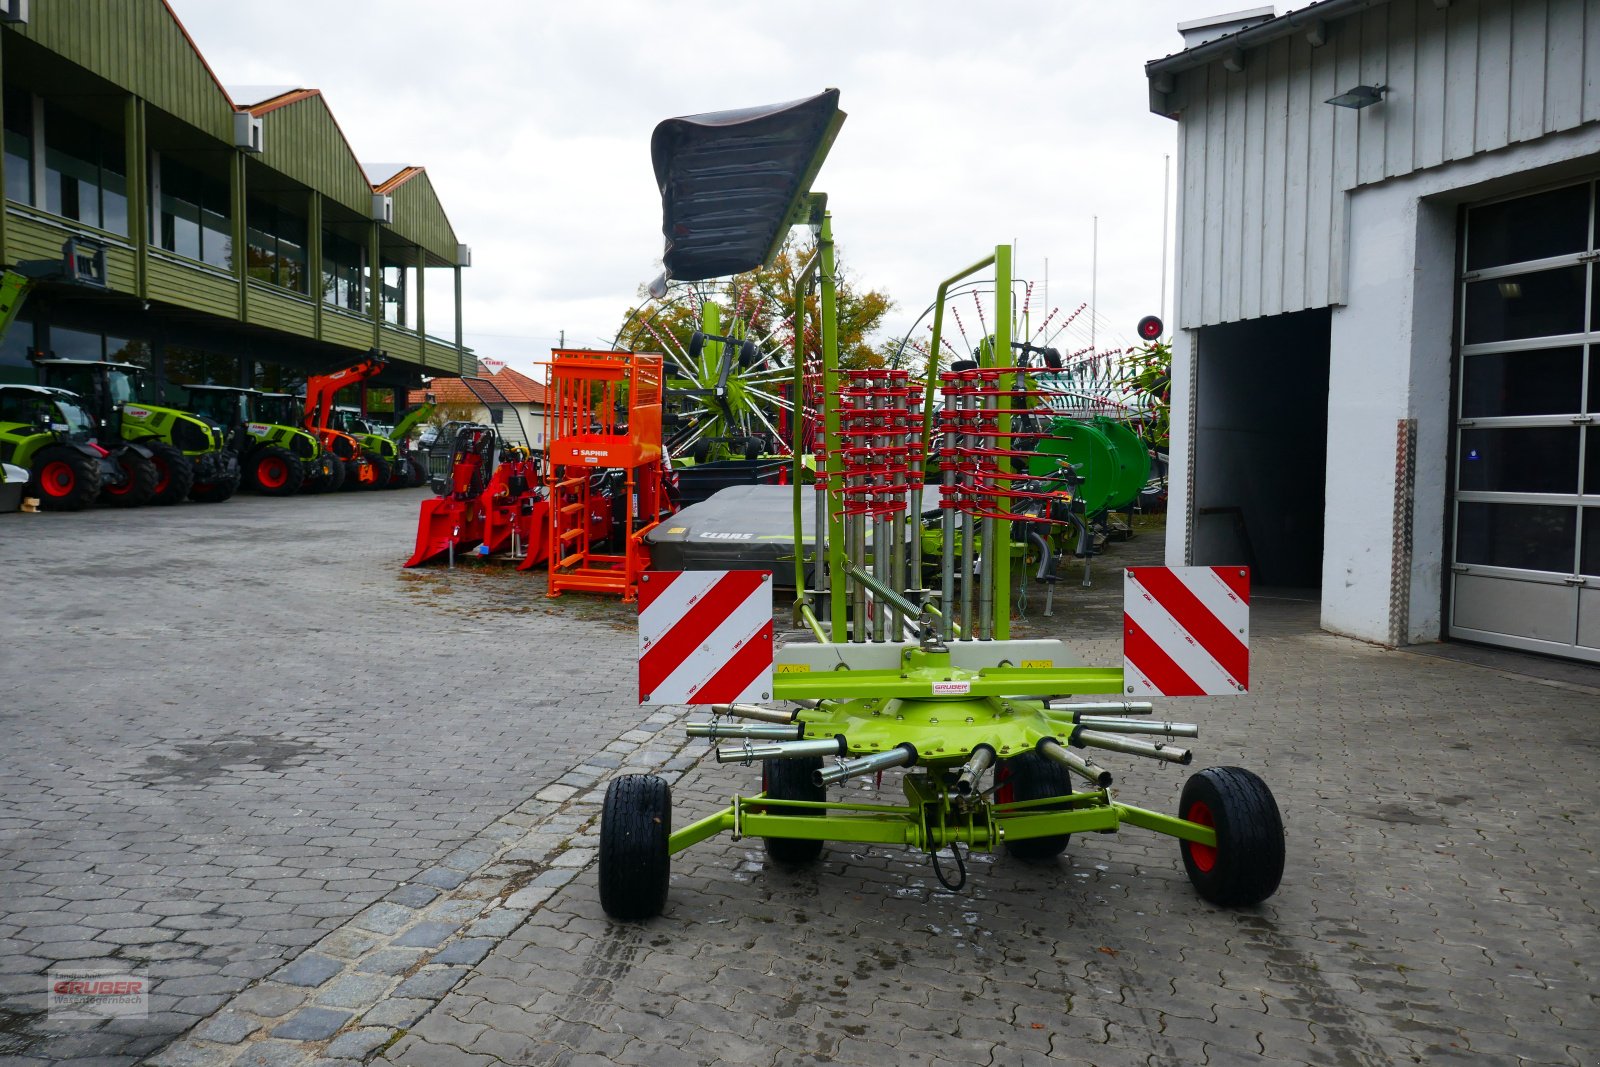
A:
{"x":970,"y":124}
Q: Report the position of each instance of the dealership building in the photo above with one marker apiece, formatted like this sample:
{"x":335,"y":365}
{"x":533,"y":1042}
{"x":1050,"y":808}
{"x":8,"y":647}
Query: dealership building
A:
{"x":1386,"y":361}
{"x":243,"y":244}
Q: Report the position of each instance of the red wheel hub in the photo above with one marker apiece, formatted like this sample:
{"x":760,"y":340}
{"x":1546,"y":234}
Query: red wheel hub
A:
{"x":163,"y":475}
{"x":1204,"y":856}
{"x":127,"y":481}
{"x":273,"y":473}
{"x":58,"y":479}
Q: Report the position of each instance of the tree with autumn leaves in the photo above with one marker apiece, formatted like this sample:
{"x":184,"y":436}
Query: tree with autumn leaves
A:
{"x":762,"y":299}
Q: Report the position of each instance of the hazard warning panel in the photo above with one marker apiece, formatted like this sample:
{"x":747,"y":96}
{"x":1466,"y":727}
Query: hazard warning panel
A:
{"x":1186,"y":631}
{"x":705,"y":637}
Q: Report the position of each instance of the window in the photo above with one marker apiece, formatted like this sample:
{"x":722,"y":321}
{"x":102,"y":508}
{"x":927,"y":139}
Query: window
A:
{"x":278,"y":378}
{"x":84,"y":171}
{"x":122,"y":350}
{"x":14,"y":348}
{"x":19,"y":146}
{"x":276,"y":252}
{"x":342,"y":261}
{"x":194,"y":366}
{"x":395,"y":308}
{"x":194,"y":214}
{"x":76,"y":344}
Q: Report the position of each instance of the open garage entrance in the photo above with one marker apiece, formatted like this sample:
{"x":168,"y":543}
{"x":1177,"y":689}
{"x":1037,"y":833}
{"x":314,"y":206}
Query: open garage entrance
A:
{"x":1261,"y":447}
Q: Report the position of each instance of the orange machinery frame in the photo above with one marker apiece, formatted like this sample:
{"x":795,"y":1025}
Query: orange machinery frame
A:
{"x":582,"y":437}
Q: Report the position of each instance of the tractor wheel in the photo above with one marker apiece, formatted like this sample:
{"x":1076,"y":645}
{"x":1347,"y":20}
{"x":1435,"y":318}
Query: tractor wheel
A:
{"x":380,"y":473}
{"x":1033,"y":776}
{"x":1246,"y":865}
{"x":352,"y":474}
{"x":397,"y":473}
{"x":138,"y":482}
{"x":416,"y":477}
{"x":218,"y":491}
{"x":336,"y":475}
{"x":790,"y":779}
{"x":276,"y":471}
{"x":64,"y":479}
{"x":174,"y":473}
{"x":635,"y":822}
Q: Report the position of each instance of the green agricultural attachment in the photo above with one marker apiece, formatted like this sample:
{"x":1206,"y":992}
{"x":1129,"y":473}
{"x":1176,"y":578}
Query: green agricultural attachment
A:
{"x":902,"y":677}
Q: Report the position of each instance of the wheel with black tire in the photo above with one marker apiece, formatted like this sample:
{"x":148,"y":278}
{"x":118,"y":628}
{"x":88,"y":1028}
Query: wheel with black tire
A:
{"x":336,"y":474}
{"x":635,"y":822}
{"x":397,"y":472}
{"x":353,"y":471}
{"x":1033,"y":776}
{"x":380,"y":472}
{"x":215,"y":492}
{"x":416,"y":476}
{"x":138,"y":486}
{"x":174,"y":473}
{"x":64,"y":479}
{"x":791,"y":779}
{"x":275,"y":471}
{"x":1246,"y":864}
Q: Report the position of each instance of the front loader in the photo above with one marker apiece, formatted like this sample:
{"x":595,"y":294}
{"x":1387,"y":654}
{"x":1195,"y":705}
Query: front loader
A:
{"x":376,"y":459}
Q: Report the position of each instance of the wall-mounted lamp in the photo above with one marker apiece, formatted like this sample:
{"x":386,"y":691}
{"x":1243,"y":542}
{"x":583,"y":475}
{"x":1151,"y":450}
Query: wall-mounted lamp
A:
{"x":1359,"y":97}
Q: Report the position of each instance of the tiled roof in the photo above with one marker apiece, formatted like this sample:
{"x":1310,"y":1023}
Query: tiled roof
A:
{"x":517,"y":388}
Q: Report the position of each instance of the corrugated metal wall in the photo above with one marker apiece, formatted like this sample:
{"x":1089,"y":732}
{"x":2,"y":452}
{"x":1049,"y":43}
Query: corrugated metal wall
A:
{"x":138,"y":46}
{"x":1264,"y":163}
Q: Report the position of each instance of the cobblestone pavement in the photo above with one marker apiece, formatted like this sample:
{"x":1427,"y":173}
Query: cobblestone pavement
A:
{"x":1438,"y":904}
{"x":229,"y":729}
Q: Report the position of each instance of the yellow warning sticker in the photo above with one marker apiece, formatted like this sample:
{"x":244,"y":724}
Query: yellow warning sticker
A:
{"x":676,"y":529}
{"x":791,"y":668}
{"x":1038,"y":663}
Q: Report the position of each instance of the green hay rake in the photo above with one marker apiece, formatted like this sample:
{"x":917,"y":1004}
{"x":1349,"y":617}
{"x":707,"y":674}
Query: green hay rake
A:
{"x":899,"y":676}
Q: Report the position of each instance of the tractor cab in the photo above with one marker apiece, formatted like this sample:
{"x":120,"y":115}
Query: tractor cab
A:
{"x":277,"y":456}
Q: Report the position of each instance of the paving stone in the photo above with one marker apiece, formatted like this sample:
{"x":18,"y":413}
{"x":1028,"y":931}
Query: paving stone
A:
{"x":467,"y":951}
{"x":356,"y":1044}
{"x":385,"y":918}
{"x":270,"y":1000}
{"x":228,"y":1028}
{"x":353,"y":990}
{"x":430,"y":982}
{"x":389,"y":961}
{"x":309,"y":970}
{"x":498,"y":923}
{"x":398,"y":1012}
{"x":412,"y":896}
{"x":441,"y":878}
{"x":425,"y":935}
{"x":311,"y":1024}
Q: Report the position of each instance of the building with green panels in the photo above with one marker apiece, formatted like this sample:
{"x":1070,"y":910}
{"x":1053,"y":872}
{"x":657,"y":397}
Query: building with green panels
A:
{"x":244,"y":243}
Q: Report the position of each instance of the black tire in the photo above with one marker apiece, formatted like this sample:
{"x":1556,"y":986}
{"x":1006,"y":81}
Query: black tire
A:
{"x":1033,"y":776}
{"x":791,"y":779}
{"x":174,"y":473}
{"x":352,"y":475}
{"x":635,"y":823}
{"x":64,"y":479}
{"x":1247,"y":864}
{"x":138,"y":486}
{"x":218,"y":491}
{"x":381,"y":472}
{"x":274,"y":471}
{"x":333,"y":481}
{"x":416,"y":476}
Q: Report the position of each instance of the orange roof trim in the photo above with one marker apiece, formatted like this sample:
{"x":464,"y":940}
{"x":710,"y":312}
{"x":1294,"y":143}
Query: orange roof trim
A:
{"x":404,"y":175}
{"x":294,"y":96}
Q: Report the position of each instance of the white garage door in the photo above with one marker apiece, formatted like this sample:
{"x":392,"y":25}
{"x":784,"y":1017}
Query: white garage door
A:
{"x":1527,"y":450}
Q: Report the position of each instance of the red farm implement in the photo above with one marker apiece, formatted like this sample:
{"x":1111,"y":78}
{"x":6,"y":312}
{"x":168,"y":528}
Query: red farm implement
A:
{"x":605,"y":485}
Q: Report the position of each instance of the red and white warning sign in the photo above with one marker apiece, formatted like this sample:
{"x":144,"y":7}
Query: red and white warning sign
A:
{"x":705,"y":637}
{"x":1186,"y":631}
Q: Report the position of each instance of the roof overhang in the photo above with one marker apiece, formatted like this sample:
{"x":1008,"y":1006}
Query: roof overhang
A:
{"x":1162,"y":73}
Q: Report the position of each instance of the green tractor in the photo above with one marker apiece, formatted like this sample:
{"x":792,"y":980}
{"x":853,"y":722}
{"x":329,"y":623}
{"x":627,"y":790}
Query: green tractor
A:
{"x":50,"y":434}
{"x":188,"y":453}
{"x":276,"y":456}
{"x":404,"y":470}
